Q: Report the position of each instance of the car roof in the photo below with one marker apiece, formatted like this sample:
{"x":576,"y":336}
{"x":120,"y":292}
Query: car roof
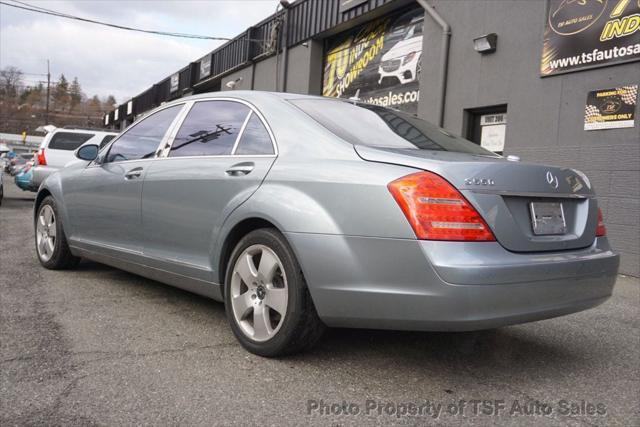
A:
{"x":247,"y":95}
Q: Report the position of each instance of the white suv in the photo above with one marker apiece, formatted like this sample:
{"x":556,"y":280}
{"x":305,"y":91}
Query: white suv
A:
{"x":402,"y":61}
{"x":58,"y":146}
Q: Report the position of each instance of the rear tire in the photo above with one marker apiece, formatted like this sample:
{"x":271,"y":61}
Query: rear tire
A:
{"x":267,"y":301}
{"x":51,"y":243}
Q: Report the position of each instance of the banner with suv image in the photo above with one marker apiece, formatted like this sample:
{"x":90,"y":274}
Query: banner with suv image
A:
{"x":379,"y":62}
{"x":583,"y":34}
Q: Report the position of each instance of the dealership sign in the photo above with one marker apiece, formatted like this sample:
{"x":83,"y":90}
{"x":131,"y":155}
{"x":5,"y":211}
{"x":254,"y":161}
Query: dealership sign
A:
{"x":379,"y":62}
{"x":175,"y":82}
{"x":583,"y":34}
{"x":611,"y":108}
{"x":205,"y":66}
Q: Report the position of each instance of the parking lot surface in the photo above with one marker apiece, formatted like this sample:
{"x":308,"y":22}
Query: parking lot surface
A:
{"x":98,"y":346}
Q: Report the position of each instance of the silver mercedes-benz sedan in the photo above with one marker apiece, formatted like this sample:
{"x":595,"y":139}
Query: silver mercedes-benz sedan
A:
{"x":299,"y":212}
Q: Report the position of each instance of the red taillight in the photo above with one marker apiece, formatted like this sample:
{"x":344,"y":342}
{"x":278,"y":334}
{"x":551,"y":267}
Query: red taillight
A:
{"x":436,"y":210}
{"x":41,"y":159}
{"x":601,"y":230}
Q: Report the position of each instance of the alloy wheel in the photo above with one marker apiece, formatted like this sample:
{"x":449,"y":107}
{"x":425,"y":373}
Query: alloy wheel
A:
{"x":259,"y":293}
{"x":46,"y":233}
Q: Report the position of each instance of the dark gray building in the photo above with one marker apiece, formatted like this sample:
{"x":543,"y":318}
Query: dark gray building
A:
{"x":551,"y":81}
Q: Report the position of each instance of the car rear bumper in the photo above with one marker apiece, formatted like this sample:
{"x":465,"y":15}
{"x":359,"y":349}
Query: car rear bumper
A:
{"x":24,"y":183}
{"x":447,"y":286}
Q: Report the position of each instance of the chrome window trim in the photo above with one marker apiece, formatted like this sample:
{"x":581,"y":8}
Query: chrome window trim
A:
{"x":213,"y":156}
{"x":163,"y":141}
{"x":253,"y":109}
{"x":244,"y":125}
{"x":167,"y":141}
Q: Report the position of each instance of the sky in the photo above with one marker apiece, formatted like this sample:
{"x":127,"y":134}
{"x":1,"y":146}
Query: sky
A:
{"x":115,"y":62}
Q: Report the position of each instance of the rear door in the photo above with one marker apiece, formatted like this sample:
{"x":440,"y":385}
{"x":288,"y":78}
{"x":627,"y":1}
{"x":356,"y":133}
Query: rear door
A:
{"x":104,"y":205}
{"x":218,"y":158}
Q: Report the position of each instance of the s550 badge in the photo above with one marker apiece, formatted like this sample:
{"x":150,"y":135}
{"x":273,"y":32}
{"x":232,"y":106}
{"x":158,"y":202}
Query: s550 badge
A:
{"x":479,"y":181}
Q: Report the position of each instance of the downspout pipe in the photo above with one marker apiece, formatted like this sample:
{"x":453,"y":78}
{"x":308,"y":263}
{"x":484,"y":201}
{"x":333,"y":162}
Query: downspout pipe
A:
{"x":285,"y":51}
{"x":444,"y":56}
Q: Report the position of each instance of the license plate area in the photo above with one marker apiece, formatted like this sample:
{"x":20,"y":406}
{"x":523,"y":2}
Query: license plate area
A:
{"x":547,"y":218}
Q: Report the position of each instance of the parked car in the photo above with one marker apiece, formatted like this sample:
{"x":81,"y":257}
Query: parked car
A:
{"x":18,"y":162}
{"x":300,"y":212}
{"x":23,"y":178}
{"x":56,"y":149}
{"x":4,"y":161}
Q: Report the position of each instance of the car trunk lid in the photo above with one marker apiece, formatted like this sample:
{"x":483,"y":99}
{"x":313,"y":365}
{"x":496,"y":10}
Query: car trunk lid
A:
{"x":529,"y":207}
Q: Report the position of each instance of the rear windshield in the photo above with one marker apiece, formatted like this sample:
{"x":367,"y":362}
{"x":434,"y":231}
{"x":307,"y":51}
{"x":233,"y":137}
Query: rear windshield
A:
{"x":68,"y":140}
{"x":375,"y":126}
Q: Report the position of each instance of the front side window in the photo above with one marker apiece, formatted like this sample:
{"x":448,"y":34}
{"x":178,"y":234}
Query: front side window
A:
{"x":255,"y":138}
{"x":68,"y":141}
{"x":210,"y":129}
{"x":365,"y":124}
{"x":142,"y":140}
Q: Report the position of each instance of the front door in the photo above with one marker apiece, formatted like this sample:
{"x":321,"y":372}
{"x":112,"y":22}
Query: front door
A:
{"x":219,"y":157}
{"x":104,"y":205}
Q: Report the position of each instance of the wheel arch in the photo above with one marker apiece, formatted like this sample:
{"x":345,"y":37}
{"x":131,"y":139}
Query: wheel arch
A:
{"x":237,"y":232}
{"x":42,"y":194}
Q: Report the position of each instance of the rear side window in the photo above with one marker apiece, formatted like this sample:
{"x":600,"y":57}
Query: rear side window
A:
{"x":255,"y":138}
{"x":372,"y":125}
{"x":142,"y":140}
{"x":106,"y":140}
{"x":210,"y":129}
{"x":68,"y":140}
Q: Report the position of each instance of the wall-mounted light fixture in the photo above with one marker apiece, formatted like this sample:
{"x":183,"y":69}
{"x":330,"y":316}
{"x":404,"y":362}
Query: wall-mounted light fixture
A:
{"x":231,"y":84}
{"x":486,"y":43}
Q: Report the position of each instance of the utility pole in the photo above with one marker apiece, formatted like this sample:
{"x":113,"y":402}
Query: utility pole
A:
{"x":46,"y":117}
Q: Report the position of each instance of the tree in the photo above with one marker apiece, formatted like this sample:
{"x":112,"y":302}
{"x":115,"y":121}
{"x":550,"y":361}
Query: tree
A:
{"x":61,"y":94}
{"x":34,"y":96}
{"x":10,"y":82}
{"x":24,"y":108}
{"x":109,"y":103}
{"x":94,"y":106}
{"x":75,"y":94}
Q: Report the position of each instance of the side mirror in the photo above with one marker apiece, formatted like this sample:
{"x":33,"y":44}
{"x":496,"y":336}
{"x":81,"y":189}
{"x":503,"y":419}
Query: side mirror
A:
{"x":87,"y":152}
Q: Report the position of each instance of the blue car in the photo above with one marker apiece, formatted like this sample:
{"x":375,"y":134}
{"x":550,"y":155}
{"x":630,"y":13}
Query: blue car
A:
{"x":24,"y":178}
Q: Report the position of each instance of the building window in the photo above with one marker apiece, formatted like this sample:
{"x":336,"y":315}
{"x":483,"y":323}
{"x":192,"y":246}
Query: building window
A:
{"x":487,"y":127}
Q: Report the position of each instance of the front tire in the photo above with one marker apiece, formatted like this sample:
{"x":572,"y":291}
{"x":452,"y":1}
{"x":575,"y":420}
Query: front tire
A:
{"x":266,"y":297}
{"x":51,"y":243}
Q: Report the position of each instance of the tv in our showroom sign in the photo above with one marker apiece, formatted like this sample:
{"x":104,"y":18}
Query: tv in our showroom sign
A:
{"x":582,"y":34}
{"x":380,"y":62}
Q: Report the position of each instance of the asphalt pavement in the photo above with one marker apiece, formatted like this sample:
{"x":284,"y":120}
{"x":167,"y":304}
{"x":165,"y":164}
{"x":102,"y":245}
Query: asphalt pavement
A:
{"x":98,"y":346}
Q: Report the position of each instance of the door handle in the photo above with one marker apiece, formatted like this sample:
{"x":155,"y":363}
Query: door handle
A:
{"x":240,"y":169}
{"x":133,"y":173}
